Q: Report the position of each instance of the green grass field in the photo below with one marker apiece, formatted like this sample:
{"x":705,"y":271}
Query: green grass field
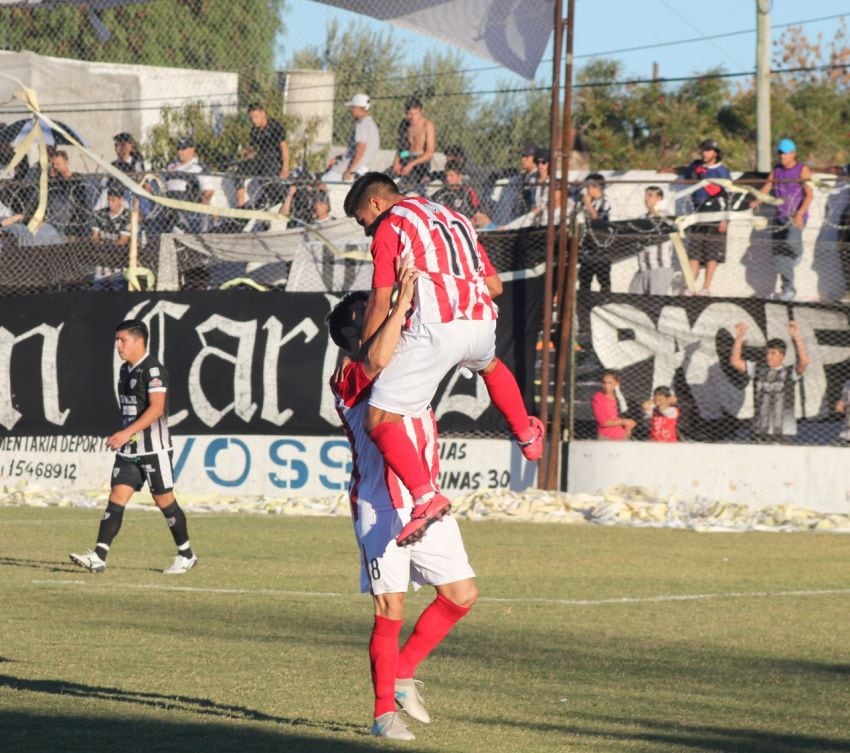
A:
{"x":585,"y":639}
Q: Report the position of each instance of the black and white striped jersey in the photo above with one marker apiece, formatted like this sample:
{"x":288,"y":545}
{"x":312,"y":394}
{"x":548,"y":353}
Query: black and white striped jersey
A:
{"x":135,"y":385}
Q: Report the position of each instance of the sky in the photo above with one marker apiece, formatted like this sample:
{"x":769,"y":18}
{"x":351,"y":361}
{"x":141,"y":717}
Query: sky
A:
{"x":606,"y":28}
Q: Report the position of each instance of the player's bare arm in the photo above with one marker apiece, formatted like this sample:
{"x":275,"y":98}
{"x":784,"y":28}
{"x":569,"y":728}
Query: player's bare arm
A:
{"x":802,"y":353}
{"x":377,"y":311}
{"x":736,"y":357}
{"x":383,"y":344}
{"x":152,"y":414}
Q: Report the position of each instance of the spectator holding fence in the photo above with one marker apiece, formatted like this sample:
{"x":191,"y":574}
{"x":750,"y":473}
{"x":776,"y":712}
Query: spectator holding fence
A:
{"x":774,"y":383}
{"x":608,"y":410}
{"x":706,"y":242}
{"x":655,"y":261}
{"x":789,"y":181}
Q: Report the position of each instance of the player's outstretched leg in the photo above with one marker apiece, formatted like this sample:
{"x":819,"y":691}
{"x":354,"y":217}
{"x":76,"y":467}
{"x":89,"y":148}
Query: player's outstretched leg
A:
{"x":94,"y":560}
{"x":505,"y":395}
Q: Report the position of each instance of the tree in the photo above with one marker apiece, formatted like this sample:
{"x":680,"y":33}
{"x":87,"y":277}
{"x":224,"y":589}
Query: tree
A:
{"x":233,"y":35}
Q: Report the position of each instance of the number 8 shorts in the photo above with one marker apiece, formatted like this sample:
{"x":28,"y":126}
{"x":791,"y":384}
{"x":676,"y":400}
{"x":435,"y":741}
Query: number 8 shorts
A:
{"x":385,"y":567}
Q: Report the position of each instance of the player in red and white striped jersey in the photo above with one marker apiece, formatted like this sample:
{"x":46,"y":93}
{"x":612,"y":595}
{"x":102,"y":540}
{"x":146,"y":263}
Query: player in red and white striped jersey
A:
{"x":452,"y":324}
{"x":380,"y":508}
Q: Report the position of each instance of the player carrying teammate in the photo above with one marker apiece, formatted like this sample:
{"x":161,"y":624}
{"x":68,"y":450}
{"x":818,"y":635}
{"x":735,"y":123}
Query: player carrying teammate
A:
{"x":143,"y":450}
{"x":380,"y":506}
{"x":452,"y":323}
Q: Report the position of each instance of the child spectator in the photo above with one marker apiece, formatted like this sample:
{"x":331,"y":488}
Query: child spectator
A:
{"x":112,"y":223}
{"x":597,"y":216}
{"x":655,"y":262}
{"x":773,"y":383}
{"x":608,"y":411}
{"x":842,"y":407}
{"x":663,"y":416}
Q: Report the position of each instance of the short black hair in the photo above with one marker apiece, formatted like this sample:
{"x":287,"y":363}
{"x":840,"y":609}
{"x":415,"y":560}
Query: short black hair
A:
{"x":115,"y":191}
{"x":255,"y":106}
{"x":776,"y":343}
{"x":610,"y":372}
{"x":662,"y":391}
{"x":345,"y":321}
{"x":365,"y":186}
{"x":596,"y":179}
{"x":656,"y":190}
{"x":412,"y":102}
{"x":135,"y":327}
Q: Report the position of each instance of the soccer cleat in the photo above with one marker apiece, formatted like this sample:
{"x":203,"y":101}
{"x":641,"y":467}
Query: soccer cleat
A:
{"x":181,"y":565}
{"x":532,"y":449}
{"x":408,"y":698}
{"x":390,"y":725}
{"x":89,"y":560}
{"x":421,"y":517}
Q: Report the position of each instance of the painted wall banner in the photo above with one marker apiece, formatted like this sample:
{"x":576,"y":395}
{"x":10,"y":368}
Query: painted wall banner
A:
{"x":686,"y":343}
{"x":240,"y":362}
{"x":272,"y":466}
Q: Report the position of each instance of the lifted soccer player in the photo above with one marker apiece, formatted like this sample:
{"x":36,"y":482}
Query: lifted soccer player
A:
{"x":380,"y":506}
{"x":143,"y":450}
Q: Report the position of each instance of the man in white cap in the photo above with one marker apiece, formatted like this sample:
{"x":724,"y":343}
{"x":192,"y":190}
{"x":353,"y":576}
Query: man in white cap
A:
{"x":363,"y":146}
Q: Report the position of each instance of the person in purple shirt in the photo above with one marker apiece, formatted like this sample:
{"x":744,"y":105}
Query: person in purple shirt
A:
{"x":789,"y":181}
{"x":706,"y":242}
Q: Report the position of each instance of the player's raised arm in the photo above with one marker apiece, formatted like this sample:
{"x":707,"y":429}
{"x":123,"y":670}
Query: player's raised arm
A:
{"x":381,"y":348}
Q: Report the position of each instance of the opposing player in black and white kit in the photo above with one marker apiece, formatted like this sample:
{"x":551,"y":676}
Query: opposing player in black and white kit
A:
{"x":143,"y":450}
{"x":380,"y":507}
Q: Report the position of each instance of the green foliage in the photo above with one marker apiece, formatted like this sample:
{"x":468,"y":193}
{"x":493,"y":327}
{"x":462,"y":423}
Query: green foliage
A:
{"x":232,"y":35}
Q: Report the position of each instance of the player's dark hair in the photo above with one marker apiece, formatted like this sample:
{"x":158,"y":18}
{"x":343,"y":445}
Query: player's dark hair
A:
{"x":366,"y":186}
{"x":134,"y":327}
{"x":777,"y":343}
{"x":345,"y":321}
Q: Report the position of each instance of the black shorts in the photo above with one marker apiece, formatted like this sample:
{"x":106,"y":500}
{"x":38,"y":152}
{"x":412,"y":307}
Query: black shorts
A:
{"x":155,"y":468}
{"x":706,"y":243}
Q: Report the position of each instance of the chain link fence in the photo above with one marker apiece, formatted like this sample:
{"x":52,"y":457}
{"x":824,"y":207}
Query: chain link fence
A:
{"x":269,"y":155}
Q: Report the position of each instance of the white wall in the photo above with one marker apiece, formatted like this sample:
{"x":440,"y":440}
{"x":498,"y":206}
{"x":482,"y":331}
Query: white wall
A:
{"x":817,"y":478}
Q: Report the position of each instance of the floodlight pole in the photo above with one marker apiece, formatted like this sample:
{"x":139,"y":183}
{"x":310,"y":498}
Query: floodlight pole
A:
{"x":554,"y":123}
{"x":763,"y":154}
{"x":566,"y":275}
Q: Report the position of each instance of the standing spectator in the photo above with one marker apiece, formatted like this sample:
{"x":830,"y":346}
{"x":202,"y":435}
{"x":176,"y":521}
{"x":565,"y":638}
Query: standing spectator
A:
{"x":773,"y":382}
{"x":68,"y":202}
{"x":412,"y":163}
{"x":112,"y":224}
{"x":129,"y":159}
{"x":186,"y":180}
{"x":143,"y":451}
{"x":610,"y":423}
{"x":663,"y":416}
{"x":655,"y":262}
{"x":517,"y":197}
{"x":268,"y":154}
{"x":540,"y":190}
{"x":788,"y":181}
{"x":593,"y":256}
{"x":843,"y":406}
{"x":362,"y":152}
{"x":455,"y":195}
{"x":706,"y":243}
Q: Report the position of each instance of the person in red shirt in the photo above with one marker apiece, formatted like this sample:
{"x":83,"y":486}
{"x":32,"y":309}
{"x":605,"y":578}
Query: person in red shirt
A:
{"x":606,"y":409}
{"x":663,"y":415}
{"x":452,"y":323}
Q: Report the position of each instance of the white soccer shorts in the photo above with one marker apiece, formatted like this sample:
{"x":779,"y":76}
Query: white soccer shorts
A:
{"x":385,"y":567}
{"x":424,"y":355}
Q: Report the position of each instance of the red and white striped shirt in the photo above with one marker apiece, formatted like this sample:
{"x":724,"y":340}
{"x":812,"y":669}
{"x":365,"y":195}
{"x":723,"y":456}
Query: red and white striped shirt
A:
{"x":373,"y":482}
{"x":444,"y":247}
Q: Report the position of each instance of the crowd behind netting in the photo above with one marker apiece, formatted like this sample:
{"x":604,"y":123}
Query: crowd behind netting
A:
{"x":89,"y":216}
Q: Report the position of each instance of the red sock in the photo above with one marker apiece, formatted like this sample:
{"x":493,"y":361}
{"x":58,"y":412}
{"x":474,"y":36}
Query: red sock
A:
{"x":400,"y":454}
{"x":505,"y":394}
{"x":432,"y":626}
{"x":383,"y":657}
